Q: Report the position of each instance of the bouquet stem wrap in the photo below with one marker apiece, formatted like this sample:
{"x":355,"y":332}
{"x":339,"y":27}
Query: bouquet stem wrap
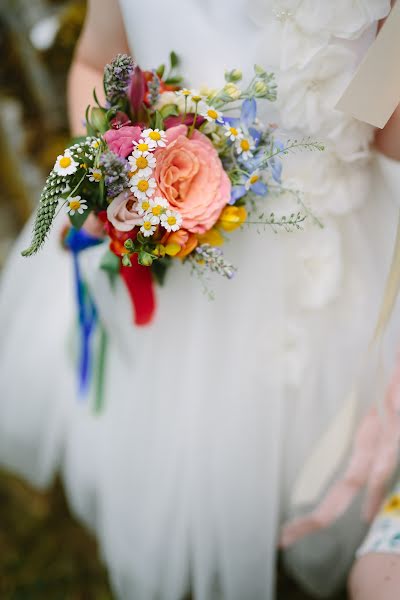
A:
{"x":139,"y":282}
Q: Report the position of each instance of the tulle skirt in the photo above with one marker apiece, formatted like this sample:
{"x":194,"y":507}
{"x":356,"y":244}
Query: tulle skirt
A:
{"x":210,"y":412}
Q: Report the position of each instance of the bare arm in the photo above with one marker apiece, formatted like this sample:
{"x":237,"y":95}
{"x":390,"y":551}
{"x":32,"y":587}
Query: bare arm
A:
{"x":387,"y":140}
{"x":103,"y":36}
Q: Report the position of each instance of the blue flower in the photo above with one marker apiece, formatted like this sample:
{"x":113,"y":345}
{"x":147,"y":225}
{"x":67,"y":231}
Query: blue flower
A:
{"x":248,"y":115}
{"x":250,"y":183}
{"x":275,"y":162}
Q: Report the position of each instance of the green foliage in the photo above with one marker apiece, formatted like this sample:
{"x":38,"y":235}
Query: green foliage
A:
{"x":172,"y":78}
{"x":174,"y":60}
{"x":45,"y":214}
{"x":160,"y":71}
{"x":158,"y":120}
{"x":159,"y":269}
{"x":78,"y":220}
{"x":169,"y":110}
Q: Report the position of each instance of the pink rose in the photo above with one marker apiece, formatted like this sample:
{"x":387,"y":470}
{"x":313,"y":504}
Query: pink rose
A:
{"x":190,"y":175}
{"x":122,"y":212}
{"x":121,"y":140}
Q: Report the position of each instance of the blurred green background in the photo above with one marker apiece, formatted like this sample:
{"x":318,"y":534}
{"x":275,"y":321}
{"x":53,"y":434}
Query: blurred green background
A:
{"x":44,"y":552}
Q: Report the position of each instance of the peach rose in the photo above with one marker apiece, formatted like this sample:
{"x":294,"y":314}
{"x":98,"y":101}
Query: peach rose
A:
{"x":121,"y":212}
{"x":190,"y":175}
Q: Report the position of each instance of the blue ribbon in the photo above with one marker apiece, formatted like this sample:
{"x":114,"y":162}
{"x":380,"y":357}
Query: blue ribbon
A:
{"x":78,"y":240}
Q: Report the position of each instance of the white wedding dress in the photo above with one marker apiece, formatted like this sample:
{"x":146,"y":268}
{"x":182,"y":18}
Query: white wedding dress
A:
{"x":212,"y":411}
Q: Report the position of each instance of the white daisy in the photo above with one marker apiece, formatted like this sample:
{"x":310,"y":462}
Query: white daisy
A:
{"x":245,"y":147}
{"x":142,"y":186}
{"x":155,"y":137}
{"x":184,"y":92}
{"x":142,"y":206}
{"x":233,"y":133}
{"x":95,"y":175}
{"x":253,"y":179}
{"x":142,"y":163}
{"x":143,"y":146}
{"x":171,"y":220}
{"x":149,"y":224}
{"x":76,"y":204}
{"x":158,"y":205}
{"x":210,"y":113}
{"x":65,"y":164}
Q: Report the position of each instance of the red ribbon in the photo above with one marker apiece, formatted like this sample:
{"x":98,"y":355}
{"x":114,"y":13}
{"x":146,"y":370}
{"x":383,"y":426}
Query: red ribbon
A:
{"x":139,"y":282}
{"x":138,"y":279}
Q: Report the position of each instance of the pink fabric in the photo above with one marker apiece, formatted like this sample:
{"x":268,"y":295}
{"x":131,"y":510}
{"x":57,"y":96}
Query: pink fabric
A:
{"x":372,"y":464}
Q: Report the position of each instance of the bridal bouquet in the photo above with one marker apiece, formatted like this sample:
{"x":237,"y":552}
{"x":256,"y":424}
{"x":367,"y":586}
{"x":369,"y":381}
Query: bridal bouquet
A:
{"x":165,"y":173}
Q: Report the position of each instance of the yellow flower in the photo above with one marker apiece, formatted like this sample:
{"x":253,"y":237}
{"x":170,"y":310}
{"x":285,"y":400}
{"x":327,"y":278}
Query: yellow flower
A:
{"x":392,"y":505}
{"x":232,"y":217}
{"x":212,"y":237}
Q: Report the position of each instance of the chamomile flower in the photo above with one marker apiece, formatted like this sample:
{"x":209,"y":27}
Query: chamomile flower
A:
{"x":256,"y":184}
{"x":233,"y":133}
{"x":95,"y":144}
{"x":245,"y":147}
{"x":211,"y":114}
{"x":65,"y":164}
{"x":141,"y":162}
{"x":171,"y":220}
{"x":142,"y":206}
{"x":149,"y":224}
{"x":158,"y":205}
{"x":76,"y":204}
{"x":143,"y":146}
{"x":95,"y":175}
{"x":142,"y":186}
{"x":155,"y":138}
{"x":184,"y":92}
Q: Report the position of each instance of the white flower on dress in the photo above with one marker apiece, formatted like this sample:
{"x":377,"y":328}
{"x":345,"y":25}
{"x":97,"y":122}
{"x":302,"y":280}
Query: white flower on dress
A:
{"x":65,"y":164}
{"x":351,"y":137}
{"x":95,"y":175}
{"x":155,"y":138}
{"x":171,"y":220}
{"x":76,"y":204}
{"x":142,"y":163}
{"x":149,"y":224}
{"x":350,"y":18}
{"x":142,"y":186}
{"x":308,"y":96}
{"x":316,"y":265}
{"x":330,"y":183}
